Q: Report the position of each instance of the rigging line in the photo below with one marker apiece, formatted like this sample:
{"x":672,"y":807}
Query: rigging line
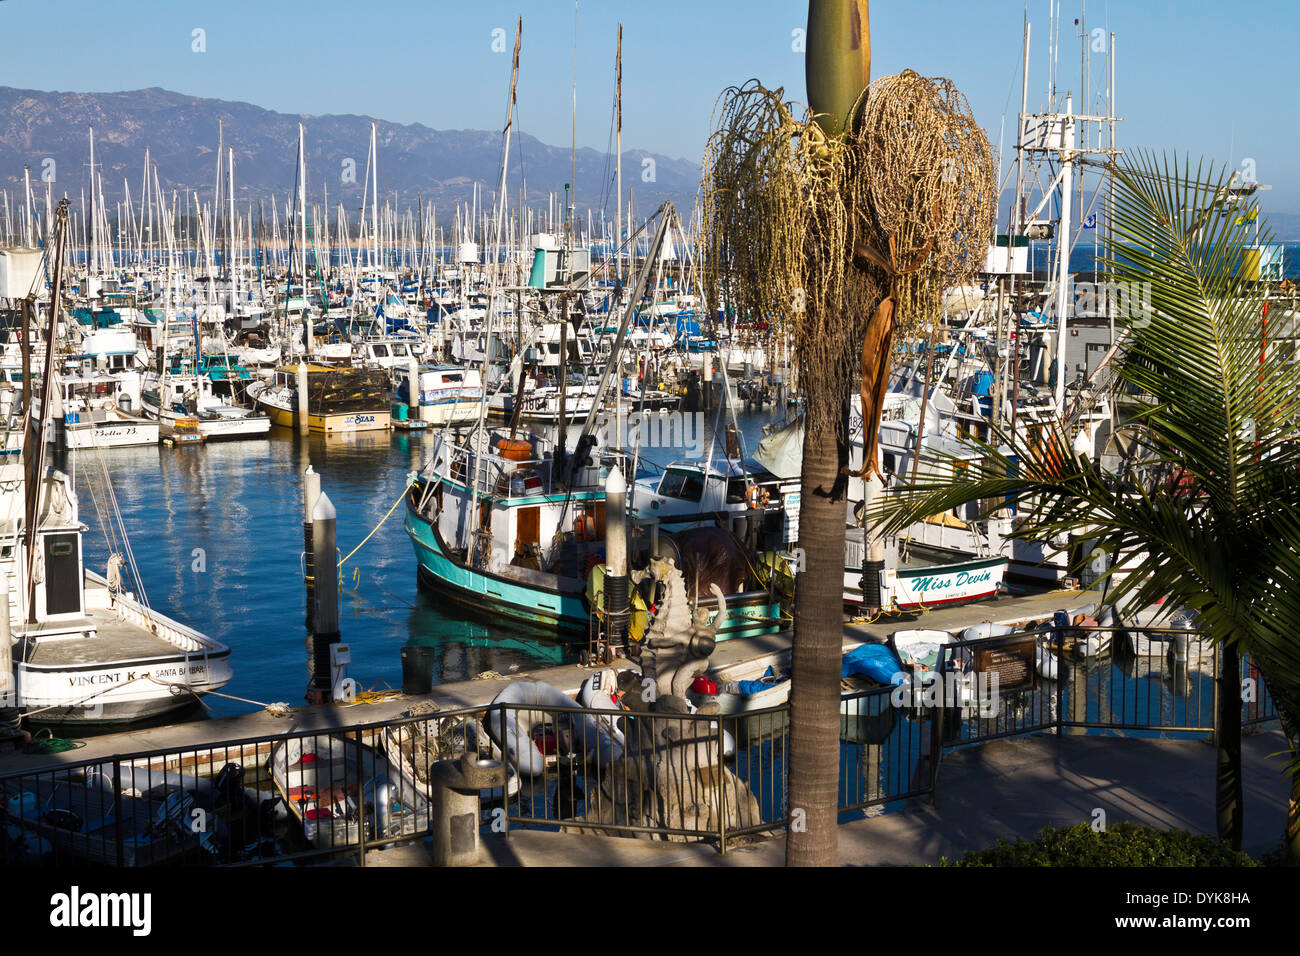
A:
{"x":116,"y":516}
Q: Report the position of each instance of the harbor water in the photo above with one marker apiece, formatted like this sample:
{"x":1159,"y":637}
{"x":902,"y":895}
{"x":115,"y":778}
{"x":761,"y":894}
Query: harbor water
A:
{"x":216,"y":532}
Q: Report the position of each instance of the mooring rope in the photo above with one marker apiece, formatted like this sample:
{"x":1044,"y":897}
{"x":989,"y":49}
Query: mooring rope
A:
{"x":405,"y":488}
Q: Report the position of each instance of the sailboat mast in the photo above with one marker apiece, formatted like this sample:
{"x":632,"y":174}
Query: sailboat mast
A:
{"x":34,"y":445}
{"x":491,"y":305}
{"x":230,"y":219}
{"x":618,"y":149}
{"x":94,"y":219}
{"x":374,"y":202}
{"x":302,"y":207}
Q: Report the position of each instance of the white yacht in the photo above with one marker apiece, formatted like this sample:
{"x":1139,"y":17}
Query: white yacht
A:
{"x":83,"y":648}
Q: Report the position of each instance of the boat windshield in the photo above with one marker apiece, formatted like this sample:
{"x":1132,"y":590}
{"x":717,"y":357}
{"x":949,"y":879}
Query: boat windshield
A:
{"x":683,"y":484}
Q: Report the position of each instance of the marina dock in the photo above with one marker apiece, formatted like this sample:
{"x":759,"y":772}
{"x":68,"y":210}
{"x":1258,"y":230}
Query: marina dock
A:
{"x":479,"y":693}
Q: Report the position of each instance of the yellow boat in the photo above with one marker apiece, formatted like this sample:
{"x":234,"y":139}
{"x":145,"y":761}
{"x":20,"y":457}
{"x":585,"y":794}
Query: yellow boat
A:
{"x":339,"y":399}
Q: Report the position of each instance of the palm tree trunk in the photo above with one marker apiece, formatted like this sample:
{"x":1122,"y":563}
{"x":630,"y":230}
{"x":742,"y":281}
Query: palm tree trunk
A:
{"x":814,"y":759}
{"x":1228,"y":791}
{"x":1288,"y":715}
{"x":1291,"y":840}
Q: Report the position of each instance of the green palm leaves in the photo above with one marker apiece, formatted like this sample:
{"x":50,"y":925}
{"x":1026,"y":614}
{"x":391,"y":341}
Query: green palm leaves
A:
{"x":1206,"y":507}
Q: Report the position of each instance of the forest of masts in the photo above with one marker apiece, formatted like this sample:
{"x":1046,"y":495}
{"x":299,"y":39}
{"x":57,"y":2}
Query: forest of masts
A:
{"x":156,"y":227}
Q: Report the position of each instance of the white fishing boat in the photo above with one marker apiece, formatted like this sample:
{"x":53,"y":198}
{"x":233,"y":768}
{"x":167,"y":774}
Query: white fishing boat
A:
{"x":85,"y":649}
{"x":190,"y":398}
{"x":98,"y":410}
{"x":447,"y":394}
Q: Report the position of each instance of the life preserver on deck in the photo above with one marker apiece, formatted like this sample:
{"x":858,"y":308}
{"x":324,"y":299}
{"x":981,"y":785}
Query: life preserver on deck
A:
{"x":758,"y":497}
{"x":584,"y":527}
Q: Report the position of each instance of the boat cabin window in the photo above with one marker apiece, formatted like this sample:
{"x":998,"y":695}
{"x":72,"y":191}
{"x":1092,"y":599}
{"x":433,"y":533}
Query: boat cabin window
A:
{"x":679,"y":483}
{"x":736,"y":490}
{"x":381,"y":351}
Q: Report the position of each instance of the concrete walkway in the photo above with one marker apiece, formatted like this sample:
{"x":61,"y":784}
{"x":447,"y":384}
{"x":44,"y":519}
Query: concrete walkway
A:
{"x":1002,"y":789}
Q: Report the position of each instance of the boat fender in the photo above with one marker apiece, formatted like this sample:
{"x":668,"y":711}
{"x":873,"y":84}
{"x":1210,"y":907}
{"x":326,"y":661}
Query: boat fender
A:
{"x":600,"y":691}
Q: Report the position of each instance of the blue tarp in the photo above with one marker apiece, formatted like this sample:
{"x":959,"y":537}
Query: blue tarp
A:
{"x":751,"y":687}
{"x":876,"y":661}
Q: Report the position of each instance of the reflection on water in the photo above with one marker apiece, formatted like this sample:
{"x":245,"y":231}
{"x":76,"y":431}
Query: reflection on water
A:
{"x":217,"y":535}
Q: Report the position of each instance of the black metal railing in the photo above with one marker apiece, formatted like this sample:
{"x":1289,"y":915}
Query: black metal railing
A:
{"x":305,"y":796}
{"x":1144,"y":681}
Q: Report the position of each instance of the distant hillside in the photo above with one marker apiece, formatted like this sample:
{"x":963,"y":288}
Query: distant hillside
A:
{"x":438,"y":166}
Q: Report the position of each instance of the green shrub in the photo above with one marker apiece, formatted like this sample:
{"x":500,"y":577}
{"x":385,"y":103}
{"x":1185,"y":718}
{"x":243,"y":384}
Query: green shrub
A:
{"x":1123,"y":844}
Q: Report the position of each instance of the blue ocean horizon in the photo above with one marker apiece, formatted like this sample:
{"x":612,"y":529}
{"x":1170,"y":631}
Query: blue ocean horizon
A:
{"x":1083,"y":258}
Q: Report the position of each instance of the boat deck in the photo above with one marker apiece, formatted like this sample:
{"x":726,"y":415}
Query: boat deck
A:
{"x":114,"y":640}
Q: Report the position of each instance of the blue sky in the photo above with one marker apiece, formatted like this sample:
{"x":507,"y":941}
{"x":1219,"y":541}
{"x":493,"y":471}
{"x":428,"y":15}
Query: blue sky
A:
{"x":1210,"y":78}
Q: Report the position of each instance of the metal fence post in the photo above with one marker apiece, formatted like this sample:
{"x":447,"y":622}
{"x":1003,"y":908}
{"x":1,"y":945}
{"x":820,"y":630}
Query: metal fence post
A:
{"x":1058,"y":641}
{"x":117,"y":808}
{"x":361,"y":803}
{"x":936,"y":747}
{"x":505,"y":786}
{"x":722,"y":787}
{"x":1219,"y":651}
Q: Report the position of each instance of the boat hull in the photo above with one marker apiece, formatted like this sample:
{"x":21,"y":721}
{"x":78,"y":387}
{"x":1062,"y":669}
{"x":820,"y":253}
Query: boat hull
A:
{"x":918,"y":588}
{"x":250,"y":426}
{"x":186,"y":664}
{"x":532,"y":601}
{"x":378,"y":420}
{"x":107,"y":434}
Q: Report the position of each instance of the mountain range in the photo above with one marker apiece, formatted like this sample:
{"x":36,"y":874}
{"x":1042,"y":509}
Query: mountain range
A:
{"x":49,"y":132}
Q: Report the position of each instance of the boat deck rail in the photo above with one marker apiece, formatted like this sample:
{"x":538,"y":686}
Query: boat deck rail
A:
{"x":506,"y":479}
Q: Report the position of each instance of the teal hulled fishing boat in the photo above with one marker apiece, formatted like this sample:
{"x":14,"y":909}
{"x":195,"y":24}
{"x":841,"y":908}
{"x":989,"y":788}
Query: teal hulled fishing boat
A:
{"x":499,"y":530}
